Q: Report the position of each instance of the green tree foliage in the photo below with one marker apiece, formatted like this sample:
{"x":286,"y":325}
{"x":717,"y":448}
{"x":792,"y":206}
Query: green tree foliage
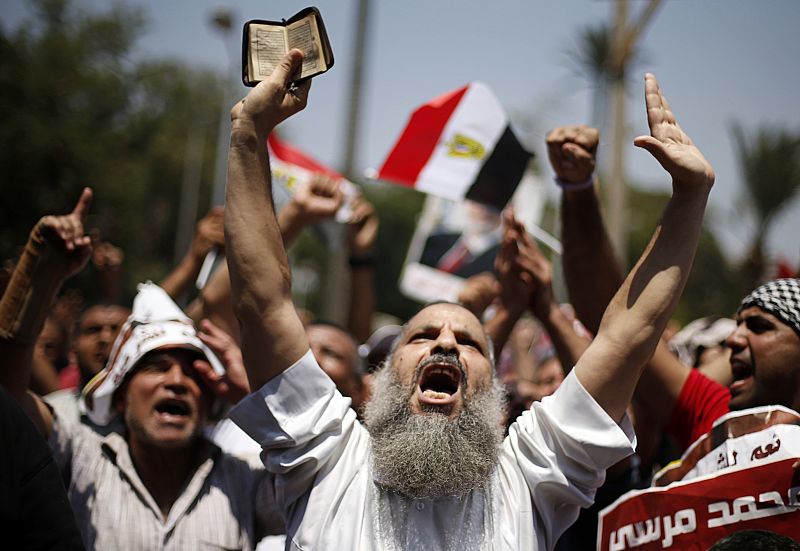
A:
{"x":79,"y":110}
{"x":590,"y":58}
{"x":770,"y":163}
{"x":713,"y":286}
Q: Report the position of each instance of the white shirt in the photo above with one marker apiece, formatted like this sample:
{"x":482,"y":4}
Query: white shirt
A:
{"x":550,"y":464}
{"x":225,"y":505}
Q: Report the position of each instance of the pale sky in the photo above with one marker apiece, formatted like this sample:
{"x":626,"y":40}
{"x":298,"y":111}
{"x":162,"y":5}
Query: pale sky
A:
{"x":717,"y":61}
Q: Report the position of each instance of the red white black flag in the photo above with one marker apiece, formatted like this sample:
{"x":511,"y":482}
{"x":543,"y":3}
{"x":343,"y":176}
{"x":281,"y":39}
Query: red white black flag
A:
{"x":291,"y":167}
{"x":459,"y":145}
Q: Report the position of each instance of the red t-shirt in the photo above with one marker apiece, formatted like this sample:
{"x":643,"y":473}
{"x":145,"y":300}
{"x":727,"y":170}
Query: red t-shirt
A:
{"x":701,"y":402}
{"x":69,"y":377}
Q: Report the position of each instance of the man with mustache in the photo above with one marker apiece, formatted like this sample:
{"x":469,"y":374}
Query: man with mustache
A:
{"x":400,"y":483}
{"x":96,"y":330}
{"x":158,"y":484}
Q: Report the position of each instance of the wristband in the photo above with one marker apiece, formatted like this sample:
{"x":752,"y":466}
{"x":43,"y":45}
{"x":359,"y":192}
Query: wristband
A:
{"x":20,"y":320}
{"x":574,"y":186}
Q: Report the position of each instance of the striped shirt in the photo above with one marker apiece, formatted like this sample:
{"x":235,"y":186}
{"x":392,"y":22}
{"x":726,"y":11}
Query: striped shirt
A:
{"x":227,"y":504}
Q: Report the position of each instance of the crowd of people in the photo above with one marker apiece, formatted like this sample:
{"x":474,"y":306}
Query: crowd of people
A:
{"x":505,"y":420}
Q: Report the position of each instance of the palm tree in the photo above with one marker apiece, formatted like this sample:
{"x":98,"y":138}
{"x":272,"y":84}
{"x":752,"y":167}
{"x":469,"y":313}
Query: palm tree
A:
{"x":604,"y":53}
{"x":591,"y":60}
{"x":770,"y":163}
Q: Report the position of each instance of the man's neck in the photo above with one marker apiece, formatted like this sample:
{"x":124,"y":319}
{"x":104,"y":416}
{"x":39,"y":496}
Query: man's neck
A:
{"x":164,"y":472}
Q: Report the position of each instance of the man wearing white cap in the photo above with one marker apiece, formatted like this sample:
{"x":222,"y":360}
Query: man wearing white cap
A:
{"x":160,"y":485}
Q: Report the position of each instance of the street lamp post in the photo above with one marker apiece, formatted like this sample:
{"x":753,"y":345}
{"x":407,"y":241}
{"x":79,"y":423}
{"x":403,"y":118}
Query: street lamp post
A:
{"x":222,"y":20}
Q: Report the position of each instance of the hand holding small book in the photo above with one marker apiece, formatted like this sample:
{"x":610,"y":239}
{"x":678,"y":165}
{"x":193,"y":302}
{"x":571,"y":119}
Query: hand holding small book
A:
{"x":264,"y":43}
{"x":274,"y":99}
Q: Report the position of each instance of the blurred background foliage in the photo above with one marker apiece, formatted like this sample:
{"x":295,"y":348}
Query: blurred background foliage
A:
{"x":78,"y":111}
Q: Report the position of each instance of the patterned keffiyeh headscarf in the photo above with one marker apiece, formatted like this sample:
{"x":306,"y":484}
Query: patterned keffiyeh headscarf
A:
{"x":781,"y":298}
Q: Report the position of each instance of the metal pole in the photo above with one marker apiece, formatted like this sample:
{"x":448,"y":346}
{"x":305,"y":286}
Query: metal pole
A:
{"x":222,"y":20}
{"x":221,"y":162}
{"x":617,"y":190}
{"x":356,"y":78}
{"x":190,"y":187}
{"x":623,"y":45}
{"x":337,"y":282}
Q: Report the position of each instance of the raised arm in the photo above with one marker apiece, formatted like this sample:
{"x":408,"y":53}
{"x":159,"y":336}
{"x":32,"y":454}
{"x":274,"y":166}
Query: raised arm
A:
{"x":314,"y":201}
{"x":569,"y":344}
{"x":273,"y":337}
{"x":634,"y":320}
{"x":361,"y":233}
{"x":57,"y":249}
{"x":208,"y":233}
{"x":592,"y":270}
{"x":107,"y":261}
{"x":514,"y":284}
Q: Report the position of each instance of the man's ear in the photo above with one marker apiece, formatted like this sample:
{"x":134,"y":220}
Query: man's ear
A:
{"x":120,"y":399}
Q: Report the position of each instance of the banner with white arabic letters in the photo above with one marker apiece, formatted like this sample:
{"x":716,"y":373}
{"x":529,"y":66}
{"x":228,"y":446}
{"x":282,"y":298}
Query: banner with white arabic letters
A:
{"x":696,"y":514}
{"x":738,"y":439}
{"x":739,"y":476}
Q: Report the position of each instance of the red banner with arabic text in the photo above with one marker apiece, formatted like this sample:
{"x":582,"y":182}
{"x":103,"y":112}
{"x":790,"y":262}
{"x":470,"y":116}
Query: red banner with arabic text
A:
{"x":697,"y":513}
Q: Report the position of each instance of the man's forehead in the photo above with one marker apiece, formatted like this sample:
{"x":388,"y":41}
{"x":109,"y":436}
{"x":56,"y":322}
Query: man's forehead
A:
{"x":434,"y":315}
{"x":324,"y":333}
{"x":105,"y":314}
{"x":755,"y":311}
{"x":176,"y":354}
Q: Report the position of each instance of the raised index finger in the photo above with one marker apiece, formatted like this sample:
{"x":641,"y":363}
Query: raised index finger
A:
{"x":652,"y":99}
{"x":84,"y":202}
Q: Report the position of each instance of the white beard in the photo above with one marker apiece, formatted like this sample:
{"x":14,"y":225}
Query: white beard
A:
{"x":423,"y":456}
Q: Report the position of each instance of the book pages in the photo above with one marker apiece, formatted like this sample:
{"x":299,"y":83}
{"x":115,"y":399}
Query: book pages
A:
{"x":267,"y":48}
{"x":304,"y":35}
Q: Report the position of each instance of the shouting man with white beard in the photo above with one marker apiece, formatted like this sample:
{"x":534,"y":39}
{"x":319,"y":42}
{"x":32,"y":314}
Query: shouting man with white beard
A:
{"x":431,"y":470}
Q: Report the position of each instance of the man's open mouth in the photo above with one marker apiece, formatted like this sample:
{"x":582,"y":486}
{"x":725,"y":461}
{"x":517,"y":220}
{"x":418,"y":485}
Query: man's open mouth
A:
{"x":439,"y":384}
{"x":173,"y":409}
{"x":742,"y":375}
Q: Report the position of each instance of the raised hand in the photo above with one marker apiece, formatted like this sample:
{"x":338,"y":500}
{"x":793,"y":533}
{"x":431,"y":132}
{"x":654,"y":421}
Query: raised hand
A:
{"x":478,"y":292}
{"x":317,"y":199}
{"x":670,"y":145}
{"x":208,"y":233}
{"x":362,"y":227}
{"x":572,"y":151}
{"x":515,"y":284}
{"x":533,"y":269}
{"x":274,"y":99}
{"x":106,"y":257}
{"x":233,"y":385}
{"x":533,"y":262}
{"x":67,"y":234}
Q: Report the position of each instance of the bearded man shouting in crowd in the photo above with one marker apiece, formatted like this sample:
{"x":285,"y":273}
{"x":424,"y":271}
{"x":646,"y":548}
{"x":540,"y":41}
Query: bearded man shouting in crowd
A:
{"x":431,"y":470}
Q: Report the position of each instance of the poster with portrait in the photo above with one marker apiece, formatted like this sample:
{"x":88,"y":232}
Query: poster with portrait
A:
{"x":456,"y":240}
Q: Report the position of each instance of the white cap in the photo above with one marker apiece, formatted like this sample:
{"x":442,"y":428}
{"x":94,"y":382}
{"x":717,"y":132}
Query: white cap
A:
{"x":155,"y":322}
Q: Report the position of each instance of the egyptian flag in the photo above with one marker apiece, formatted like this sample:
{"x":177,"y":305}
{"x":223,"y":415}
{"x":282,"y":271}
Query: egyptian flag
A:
{"x":458,"y":146}
{"x":290,"y":166}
